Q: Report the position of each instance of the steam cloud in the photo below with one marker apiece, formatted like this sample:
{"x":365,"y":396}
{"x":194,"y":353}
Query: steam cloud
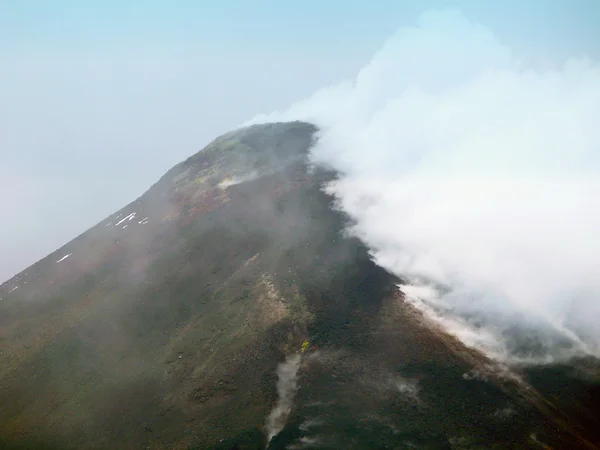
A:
{"x":287,"y":385}
{"x":476,"y":178}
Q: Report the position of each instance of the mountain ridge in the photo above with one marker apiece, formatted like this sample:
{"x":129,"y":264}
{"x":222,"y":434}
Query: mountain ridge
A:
{"x":170,"y":323}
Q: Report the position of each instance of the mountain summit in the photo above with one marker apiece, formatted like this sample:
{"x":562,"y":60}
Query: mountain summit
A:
{"x":227,"y":308}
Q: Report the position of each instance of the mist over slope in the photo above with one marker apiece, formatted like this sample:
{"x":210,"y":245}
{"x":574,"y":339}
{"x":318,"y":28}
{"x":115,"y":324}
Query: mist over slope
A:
{"x":476,"y":176}
{"x":226,"y":308}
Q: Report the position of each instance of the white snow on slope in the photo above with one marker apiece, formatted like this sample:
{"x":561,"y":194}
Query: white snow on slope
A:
{"x":129,"y":217}
{"x":64,"y":257}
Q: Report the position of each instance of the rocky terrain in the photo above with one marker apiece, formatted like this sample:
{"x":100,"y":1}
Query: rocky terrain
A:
{"x":226,"y":308}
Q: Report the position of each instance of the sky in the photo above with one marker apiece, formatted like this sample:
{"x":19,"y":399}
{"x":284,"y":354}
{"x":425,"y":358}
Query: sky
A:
{"x":99,"y":98}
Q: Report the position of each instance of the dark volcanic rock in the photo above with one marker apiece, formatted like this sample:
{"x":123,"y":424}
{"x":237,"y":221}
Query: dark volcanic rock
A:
{"x":165,"y":326}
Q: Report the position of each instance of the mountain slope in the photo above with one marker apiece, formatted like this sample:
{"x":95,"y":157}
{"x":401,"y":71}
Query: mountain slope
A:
{"x":178,"y":322}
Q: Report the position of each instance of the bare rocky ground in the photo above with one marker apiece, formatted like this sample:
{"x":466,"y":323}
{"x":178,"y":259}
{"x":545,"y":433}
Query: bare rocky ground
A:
{"x":164,"y":329}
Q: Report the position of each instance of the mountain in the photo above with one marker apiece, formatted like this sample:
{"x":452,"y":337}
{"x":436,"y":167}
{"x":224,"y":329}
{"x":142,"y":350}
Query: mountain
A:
{"x":227,"y":308}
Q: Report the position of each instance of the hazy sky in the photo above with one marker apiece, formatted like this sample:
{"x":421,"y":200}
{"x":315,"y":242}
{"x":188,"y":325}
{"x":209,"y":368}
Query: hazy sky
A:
{"x":99,"y":98}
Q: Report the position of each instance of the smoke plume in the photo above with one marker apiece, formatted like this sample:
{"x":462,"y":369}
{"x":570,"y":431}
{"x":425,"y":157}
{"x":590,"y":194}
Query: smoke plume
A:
{"x":287,"y":384}
{"x":476,"y":177}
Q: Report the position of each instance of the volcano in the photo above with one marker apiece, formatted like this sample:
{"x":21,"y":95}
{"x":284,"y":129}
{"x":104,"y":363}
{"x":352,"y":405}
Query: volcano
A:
{"x":228,"y":308}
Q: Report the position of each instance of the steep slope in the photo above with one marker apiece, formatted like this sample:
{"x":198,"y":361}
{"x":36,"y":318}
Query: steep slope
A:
{"x":178,"y":322}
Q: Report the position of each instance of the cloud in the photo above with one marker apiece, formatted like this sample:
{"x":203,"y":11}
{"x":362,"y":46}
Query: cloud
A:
{"x":465,"y":169}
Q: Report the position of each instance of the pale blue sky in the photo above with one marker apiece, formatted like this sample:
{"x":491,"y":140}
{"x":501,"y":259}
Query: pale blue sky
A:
{"x":99,"y":98}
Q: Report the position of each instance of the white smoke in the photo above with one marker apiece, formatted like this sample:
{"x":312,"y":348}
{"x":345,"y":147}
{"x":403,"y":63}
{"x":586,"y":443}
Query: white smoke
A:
{"x":464,"y":168}
{"x":287,"y":385}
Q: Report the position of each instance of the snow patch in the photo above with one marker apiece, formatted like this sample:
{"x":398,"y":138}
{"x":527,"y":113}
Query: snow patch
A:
{"x":64,"y":257}
{"x":129,"y":217}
